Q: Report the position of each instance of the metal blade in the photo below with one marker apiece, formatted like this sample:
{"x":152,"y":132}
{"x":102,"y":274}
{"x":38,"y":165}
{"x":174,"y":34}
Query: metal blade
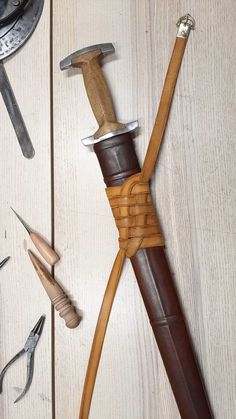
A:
{"x":15,"y":114}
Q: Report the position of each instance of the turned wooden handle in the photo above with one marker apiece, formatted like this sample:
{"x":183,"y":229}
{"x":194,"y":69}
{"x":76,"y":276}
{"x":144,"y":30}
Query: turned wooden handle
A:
{"x":56,"y":294}
{"x":98,"y":92}
{"x":44,"y":249}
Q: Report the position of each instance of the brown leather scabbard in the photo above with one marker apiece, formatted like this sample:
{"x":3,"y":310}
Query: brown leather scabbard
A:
{"x":118,"y":161}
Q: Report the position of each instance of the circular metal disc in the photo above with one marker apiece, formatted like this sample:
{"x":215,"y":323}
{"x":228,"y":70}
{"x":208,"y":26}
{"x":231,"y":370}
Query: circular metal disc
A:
{"x":13,"y":36}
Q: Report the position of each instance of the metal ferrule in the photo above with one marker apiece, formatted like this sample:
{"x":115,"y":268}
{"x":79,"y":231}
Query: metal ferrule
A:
{"x":185,"y":24}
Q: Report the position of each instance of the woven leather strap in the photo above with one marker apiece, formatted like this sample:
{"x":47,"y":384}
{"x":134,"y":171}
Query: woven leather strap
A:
{"x":135,"y":218}
{"x":135,"y":215}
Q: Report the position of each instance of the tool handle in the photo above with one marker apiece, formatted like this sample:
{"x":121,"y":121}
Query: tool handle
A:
{"x":65,"y":308}
{"x":56,"y":294}
{"x":98,"y":92}
{"x":60,"y":301}
{"x":2,"y":375}
{"x":44,"y":249}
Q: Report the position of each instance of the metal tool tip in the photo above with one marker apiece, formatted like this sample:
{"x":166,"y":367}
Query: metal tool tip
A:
{"x":39,"y":325}
{"x":22,"y":221}
{"x":14,"y":211}
{"x":4,"y":261}
{"x":29,"y":154}
{"x":20,"y":397}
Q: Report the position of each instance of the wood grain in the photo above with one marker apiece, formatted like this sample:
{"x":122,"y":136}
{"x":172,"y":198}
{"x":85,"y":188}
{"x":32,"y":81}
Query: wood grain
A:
{"x":97,"y":91}
{"x":193,"y":187}
{"x":194,"y":195}
{"x":25,"y":185}
{"x":45,"y":250}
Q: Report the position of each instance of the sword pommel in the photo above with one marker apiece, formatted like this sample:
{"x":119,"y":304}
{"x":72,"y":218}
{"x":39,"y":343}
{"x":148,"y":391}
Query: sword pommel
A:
{"x":185,"y":24}
{"x":71,"y":60}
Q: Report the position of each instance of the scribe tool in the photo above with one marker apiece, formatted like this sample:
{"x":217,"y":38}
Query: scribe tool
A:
{"x":18,"y":20}
{"x":43,"y":247}
{"x":29,"y":349}
{"x":4,"y":261}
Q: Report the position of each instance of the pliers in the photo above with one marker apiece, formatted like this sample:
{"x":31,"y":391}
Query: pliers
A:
{"x":4,"y":261}
{"x":29,"y":348}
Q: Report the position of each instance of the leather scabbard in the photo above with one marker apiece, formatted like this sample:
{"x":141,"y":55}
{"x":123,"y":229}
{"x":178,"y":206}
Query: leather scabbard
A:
{"x":118,"y":161}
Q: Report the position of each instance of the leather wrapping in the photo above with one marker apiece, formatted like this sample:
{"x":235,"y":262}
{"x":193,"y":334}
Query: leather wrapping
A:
{"x":118,"y":160}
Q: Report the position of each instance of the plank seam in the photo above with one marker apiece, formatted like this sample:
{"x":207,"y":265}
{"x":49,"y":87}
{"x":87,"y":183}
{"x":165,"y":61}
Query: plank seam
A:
{"x":53,"y":388}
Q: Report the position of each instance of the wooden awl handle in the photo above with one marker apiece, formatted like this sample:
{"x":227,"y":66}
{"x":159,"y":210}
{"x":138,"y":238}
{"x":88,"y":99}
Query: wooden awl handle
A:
{"x":56,"y":294}
{"x":44,"y":249}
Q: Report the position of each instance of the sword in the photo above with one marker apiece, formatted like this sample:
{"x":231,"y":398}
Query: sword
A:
{"x":140,"y":236}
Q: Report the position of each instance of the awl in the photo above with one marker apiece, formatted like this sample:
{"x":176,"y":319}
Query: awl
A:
{"x":43,"y":247}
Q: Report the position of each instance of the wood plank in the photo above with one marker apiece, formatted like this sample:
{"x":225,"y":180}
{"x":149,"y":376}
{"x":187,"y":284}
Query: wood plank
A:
{"x":194,"y":190}
{"x":25,"y":184}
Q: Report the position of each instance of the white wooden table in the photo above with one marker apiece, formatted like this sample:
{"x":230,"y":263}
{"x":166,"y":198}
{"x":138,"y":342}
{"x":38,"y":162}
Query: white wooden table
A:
{"x":61,"y":194}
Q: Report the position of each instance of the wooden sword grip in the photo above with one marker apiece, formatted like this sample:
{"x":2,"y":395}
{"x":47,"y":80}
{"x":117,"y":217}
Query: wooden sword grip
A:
{"x":56,"y":294}
{"x":98,"y":92}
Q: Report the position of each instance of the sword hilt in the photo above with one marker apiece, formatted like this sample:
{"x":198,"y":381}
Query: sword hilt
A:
{"x":96,"y":86}
{"x":88,"y":59}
